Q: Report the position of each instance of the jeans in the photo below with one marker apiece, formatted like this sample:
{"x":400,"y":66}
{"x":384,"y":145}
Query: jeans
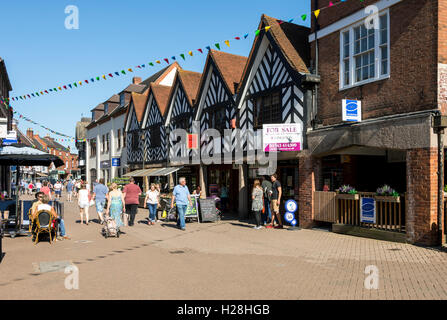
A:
{"x":61,"y":226}
{"x":258,"y":217}
{"x":152,"y":211}
{"x":267,"y":216}
{"x":181,"y":209}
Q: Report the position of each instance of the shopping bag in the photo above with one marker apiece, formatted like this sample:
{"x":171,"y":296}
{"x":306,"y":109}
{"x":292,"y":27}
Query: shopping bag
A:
{"x":125,"y":219}
{"x":164,"y":214}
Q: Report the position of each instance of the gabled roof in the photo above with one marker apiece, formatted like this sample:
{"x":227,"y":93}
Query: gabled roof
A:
{"x":230,"y":66}
{"x":138,"y":101}
{"x":5,"y":74}
{"x":161,"y":95}
{"x":24,"y":139}
{"x":291,"y":39}
{"x":138,"y":88}
{"x":160,"y":75}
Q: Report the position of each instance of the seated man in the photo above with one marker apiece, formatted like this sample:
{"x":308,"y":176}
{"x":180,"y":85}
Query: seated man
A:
{"x":45,"y":206}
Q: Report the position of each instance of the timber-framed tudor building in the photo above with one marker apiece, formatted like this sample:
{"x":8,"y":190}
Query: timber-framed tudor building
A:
{"x":297,"y":75}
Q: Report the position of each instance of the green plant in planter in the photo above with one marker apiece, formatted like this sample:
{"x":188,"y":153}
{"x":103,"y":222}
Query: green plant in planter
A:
{"x":346,"y":189}
{"x":445,"y":188}
{"x":386,"y":190}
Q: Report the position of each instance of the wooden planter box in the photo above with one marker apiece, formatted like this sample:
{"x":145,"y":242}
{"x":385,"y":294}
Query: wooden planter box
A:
{"x":387,"y":198}
{"x":346,"y":196}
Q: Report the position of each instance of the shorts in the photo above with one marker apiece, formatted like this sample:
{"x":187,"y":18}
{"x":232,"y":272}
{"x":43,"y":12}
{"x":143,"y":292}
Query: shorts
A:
{"x":83,"y":205}
{"x":58,"y":192}
{"x":100,"y":205}
{"x":274,"y":205}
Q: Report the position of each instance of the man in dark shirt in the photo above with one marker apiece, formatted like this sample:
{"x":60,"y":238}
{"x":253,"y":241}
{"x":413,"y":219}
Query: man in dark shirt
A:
{"x":267,"y":188}
{"x":131,"y":193}
{"x":276,"y":201}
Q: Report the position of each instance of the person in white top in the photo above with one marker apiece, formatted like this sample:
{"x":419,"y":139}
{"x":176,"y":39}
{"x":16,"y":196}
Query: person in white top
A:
{"x":58,"y":189}
{"x":152,"y":200}
{"x":38,"y":186}
{"x":83,"y":203}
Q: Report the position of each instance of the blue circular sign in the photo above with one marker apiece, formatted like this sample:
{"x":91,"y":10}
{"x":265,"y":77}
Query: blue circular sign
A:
{"x":289,"y":216}
{"x":293,"y":222}
{"x":291,"y":206}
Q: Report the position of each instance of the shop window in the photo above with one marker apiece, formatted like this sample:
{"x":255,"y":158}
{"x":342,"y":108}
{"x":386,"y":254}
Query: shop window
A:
{"x":217,"y":119}
{"x":135,"y":140}
{"x":267,"y":109}
{"x":155,"y":136}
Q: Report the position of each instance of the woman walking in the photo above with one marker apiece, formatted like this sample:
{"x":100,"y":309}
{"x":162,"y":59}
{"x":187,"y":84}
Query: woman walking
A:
{"x":257,"y":204}
{"x":151,"y":200}
{"x":83,"y":203}
{"x":115,"y":204}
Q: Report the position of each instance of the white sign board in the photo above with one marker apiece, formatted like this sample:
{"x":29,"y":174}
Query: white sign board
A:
{"x":3,"y":128}
{"x":351,"y":110}
{"x":282,"y":137}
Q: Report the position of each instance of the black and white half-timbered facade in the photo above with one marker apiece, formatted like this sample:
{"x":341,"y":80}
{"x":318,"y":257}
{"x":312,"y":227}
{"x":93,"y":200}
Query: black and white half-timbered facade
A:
{"x":272,"y":90}
{"x":216,"y":100}
{"x":153,"y":124}
{"x":134,"y":141}
{"x":179,"y":114}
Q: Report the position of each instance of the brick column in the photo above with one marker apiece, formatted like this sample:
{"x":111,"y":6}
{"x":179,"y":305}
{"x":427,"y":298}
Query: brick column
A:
{"x":422,"y":186}
{"x":309,"y":172}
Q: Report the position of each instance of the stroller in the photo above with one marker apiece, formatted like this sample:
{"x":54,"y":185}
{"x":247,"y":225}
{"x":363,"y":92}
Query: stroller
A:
{"x":110,"y":229}
{"x":169,"y":213}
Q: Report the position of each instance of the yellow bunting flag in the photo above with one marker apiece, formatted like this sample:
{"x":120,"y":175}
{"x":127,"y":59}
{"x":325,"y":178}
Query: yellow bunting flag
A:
{"x":130,"y":70}
{"x":190,"y":53}
{"x":158,"y":61}
{"x":60,"y":88}
{"x":317,"y":13}
{"x":267,"y":28}
{"x":227,"y":42}
{"x":80,"y":83}
{"x":104,"y":77}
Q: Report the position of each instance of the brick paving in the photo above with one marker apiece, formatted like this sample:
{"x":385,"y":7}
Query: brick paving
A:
{"x":225,"y":260}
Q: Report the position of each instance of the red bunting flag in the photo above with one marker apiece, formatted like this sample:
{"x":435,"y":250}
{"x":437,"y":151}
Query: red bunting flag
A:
{"x":46,"y":91}
{"x":237,"y":38}
{"x":86,"y":81}
{"x":166,"y":59}
{"x":110,"y":75}
{"x":200,"y":50}
{"x":65,"y":87}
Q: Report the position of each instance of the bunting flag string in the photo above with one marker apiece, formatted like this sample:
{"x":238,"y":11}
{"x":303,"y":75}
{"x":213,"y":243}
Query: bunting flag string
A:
{"x":58,"y":88}
{"x":66,"y":138}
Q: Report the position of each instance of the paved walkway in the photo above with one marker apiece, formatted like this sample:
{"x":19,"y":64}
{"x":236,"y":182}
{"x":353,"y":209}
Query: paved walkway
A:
{"x":225,"y":260}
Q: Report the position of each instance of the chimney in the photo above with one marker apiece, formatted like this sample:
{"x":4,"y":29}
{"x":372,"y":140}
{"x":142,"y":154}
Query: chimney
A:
{"x":29,"y":133}
{"x":136,"y":80}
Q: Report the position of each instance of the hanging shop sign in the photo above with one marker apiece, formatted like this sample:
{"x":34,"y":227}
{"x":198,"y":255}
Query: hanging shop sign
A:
{"x":282,"y":137}
{"x":368,"y":210}
{"x":116,"y":162}
{"x":105,"y":164}
{"x":351,"y":110}
{"x":3,"y":128}
{"x":11,"y":138}
{"x":193,"y":141}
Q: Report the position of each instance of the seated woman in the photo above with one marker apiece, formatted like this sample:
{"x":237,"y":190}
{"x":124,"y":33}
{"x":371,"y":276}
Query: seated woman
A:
{"x":45,"y":206}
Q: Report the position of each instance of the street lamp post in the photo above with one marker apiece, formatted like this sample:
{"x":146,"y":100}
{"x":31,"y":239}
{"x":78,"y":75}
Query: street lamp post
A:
{"x":144,"y":159}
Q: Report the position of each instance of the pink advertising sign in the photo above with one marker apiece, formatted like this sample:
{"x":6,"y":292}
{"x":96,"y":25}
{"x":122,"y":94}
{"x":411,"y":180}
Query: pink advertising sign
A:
{"x":282,"y":137}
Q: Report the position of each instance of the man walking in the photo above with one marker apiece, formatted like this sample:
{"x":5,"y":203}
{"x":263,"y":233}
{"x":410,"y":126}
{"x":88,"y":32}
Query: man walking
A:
{"x":182,"y":198}
{"x":267,"y":188}
{"x":276,"y":200}
{"x":131,"y":193}
{"x":99,"y":195}
{"x":69,"y":190}
{"x":58,"y":190}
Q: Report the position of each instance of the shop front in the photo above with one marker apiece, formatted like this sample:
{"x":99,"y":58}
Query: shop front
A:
{"x":224,"y":175}
{"x":191,"y":173}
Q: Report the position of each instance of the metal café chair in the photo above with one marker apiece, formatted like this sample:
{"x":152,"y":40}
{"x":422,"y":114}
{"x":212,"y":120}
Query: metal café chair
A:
{"x":43,"y":224}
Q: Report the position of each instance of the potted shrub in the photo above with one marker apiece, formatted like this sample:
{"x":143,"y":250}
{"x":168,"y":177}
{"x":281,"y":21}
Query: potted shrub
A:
{"x":445,"y":191}
{"x":388,"y":194}
{"x":346,"y":192}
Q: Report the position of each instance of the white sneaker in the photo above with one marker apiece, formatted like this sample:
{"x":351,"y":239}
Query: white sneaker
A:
{"x":255,"y":227}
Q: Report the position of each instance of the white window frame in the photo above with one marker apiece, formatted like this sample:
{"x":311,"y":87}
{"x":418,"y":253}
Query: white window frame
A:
{"x":377,"y":55}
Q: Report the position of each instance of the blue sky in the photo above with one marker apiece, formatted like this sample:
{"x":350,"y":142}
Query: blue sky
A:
{"x":40,"y":53}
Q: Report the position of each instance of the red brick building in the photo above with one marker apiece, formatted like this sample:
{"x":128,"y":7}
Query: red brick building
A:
{"x":70,"y":166}
{"x":398,"y":71}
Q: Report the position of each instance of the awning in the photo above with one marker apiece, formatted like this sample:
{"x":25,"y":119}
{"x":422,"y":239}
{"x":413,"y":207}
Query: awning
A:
{"x":41,"y":175}
{"x":153,"y":172}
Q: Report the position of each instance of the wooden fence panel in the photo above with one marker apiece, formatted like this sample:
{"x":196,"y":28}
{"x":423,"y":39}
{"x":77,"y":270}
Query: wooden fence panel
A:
{"x":325,"y":206}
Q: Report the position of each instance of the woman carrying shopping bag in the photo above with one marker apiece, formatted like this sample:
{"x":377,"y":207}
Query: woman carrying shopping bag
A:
{"x":115,"y":205}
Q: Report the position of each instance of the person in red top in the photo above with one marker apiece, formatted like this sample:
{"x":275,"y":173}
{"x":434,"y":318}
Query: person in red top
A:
{"x":131,"y":193}
{"x":45,"y":189}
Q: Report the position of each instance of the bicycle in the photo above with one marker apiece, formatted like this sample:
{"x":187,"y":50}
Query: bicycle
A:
{"x":169,"y":213}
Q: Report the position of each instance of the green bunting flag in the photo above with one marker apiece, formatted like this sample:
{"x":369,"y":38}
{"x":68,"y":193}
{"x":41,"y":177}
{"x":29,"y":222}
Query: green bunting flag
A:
{"x":257,"y":32}
{"x":304,"y":17}
{"x":217,"y":46}
{"x":182,"y":55}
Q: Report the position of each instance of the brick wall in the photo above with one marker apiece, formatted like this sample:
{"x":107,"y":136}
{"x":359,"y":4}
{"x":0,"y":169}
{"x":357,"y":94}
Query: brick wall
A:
{"x":412,"y":85}
{"x":422,"y":185}
{"x":309,"y":178}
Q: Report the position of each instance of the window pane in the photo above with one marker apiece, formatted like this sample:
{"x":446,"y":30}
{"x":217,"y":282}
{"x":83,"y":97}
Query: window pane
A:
{"x":371,"y":42}
{"x":362,"y":31}
{"x":365,"y":73}
{"x":357,"y":47}
{"x":371,"y":70}
{"x":365,"y":59}
{"x":358,"y":62}
{"x":346,"y":72}
{"x":356,"y":33}
{"x":358,"y":75}
{"x":371,"y":57}
{"x":363,"y":46}
{"x":346,"y":37}
{"x":383,"y":22}
{"x":384,"y":51}
{"x":383,"y":36}
{"x":384,"y":67}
